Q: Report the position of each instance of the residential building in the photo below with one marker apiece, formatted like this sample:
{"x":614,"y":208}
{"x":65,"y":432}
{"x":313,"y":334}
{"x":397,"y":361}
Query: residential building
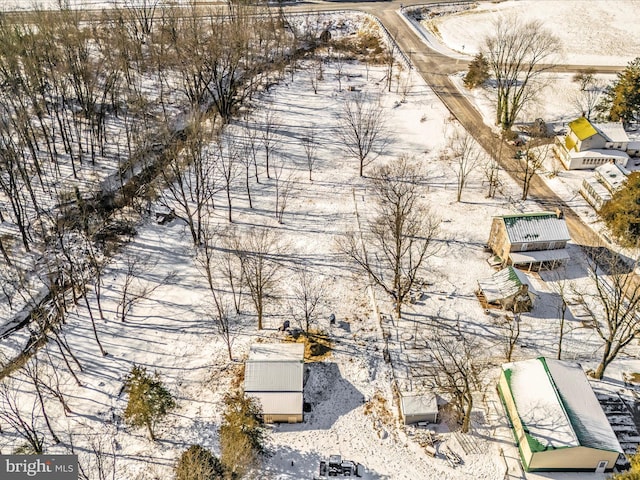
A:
{"x":588,"y":145}
{"x":532,"y":241}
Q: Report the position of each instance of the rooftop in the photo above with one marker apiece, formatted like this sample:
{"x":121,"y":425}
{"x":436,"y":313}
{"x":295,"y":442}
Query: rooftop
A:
{"x":613,"y":131}
{"x":536,"y":227}
{"x":557,"y":406}
{"x":582,"y":128}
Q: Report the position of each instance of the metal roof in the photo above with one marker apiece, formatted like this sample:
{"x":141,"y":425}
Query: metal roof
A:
{"x":582,"y":128}
{"x":273,"y":376}
{"x":535,"y":227}
{"x":274,"y":367}
{"x":503,"y":284}
{"x":557,"y":406}
{"x":612,"y":131}
{"x":539,"y":256}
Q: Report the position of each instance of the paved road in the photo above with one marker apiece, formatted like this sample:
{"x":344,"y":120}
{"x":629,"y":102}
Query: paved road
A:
{"x":435,"y":69}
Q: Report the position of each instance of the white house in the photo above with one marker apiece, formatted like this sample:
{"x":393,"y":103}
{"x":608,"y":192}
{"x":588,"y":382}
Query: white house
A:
{"x":274,"y":375}
{"x":588,"y":145}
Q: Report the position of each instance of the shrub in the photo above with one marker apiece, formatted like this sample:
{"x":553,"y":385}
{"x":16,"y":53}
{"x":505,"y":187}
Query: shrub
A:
{"x":198,"y":463}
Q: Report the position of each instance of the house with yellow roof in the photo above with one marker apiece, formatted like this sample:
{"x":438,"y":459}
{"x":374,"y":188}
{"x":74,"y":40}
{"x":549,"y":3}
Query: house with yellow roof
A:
{"x":588,"y":145}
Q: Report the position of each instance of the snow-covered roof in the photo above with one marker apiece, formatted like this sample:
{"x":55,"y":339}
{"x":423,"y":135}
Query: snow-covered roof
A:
{"x":612,"y":174}
{"x":273,"y":376}
{"x":274,"y":367}
{"x":425,"y":404}
{"x":613,"y":131}
{"x":535,"y":227}
{"x":276,"y":351}
{"x":557,"y":406}
{"x":503,"y":284}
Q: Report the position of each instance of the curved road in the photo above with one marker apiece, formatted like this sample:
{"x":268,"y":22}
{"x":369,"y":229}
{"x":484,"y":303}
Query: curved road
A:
{"x":435,"y":69}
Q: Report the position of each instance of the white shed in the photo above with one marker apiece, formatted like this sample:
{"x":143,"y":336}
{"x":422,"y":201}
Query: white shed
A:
{"x":274,"y":375}
{"x":419,"y":408}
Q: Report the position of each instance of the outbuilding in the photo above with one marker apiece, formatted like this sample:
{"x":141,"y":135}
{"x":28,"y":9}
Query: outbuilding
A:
{"x":419,"y":408}
{"x":556,"y":418}
{"x":274,"y":375}
{"x":531,"y":241}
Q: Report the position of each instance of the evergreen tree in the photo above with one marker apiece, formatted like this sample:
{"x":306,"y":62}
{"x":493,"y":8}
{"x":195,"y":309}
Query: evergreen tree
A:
{"x":149,"y":400}
{"x":622,"y":212}
{"x":198,"y":463}
{"x":242,"y":435}
{"x":622,"y":99}
{"x":478,"y":71}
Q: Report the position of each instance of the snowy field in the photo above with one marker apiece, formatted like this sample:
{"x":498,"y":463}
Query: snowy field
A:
{"x":593,"y":32}
{"x":353,"y":412}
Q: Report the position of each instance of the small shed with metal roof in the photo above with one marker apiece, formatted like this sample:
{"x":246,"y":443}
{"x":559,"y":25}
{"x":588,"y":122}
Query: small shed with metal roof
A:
{"x":556,"y":418}
{"x":419,"y":408}
{"x":532,"y":241}
{"x":274,"y":375}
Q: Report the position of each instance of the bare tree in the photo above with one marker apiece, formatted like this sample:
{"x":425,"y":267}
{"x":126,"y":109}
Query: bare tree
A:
{"x":613,"y":305}
{"x":221,"y":311}
{"x":394,"y":247}
{"x":518,"y":53}
{"x":466,"y":155}
{"x":316,"y":73}
{"x":308,"y":293}
{"x":283,"y":188}
{"x":21,"y":416}
{"x":33,"y":371}
{"x":133,"y":288}
{"x":99,"y":461}
{"x":310,"y":146}
{"x":190,"y":179}
{"x":362,"y":130}
{"x":227,"y":163}
{"x":268,"y":134}
{"x":390,"y":60}
{"x":590,"y":90}
{"x":456,"y":371}
{"x":510,"y":328}
{"x":339,"y":62}
{"x":259,"y":250}
{"x":530,"y":163}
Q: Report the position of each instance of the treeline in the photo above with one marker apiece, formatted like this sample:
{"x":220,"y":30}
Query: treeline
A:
{"x":85,"y":106}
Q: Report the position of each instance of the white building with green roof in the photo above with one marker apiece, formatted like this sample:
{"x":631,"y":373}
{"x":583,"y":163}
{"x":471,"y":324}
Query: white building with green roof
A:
{"x":557,"y":420}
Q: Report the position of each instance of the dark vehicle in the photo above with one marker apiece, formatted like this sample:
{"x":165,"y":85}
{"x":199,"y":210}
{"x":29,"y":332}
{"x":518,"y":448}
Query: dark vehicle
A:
{"x":336,"y":467}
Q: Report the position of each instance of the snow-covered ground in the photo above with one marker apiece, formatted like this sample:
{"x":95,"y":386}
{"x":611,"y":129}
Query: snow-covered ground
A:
{"x":593,"y":32}
{"x":353,"y":411}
